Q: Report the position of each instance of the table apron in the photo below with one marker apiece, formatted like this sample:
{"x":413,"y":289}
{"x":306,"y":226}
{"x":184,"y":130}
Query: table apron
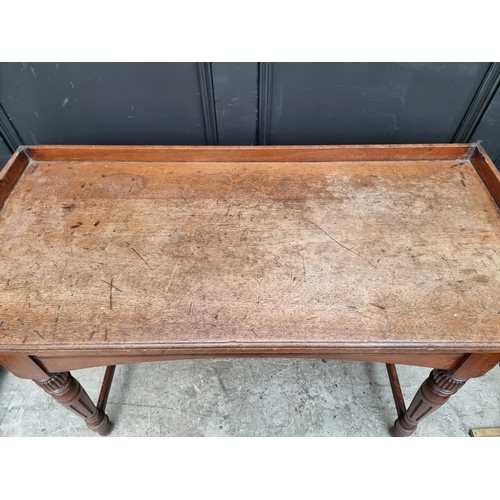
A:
{"x":25,"y":365}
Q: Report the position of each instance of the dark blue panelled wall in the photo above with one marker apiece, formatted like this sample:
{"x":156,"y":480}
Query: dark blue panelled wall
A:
{"x":248,"y":103}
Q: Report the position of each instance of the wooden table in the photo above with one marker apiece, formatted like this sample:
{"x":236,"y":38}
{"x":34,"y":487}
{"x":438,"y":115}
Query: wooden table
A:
{"x":113,"y":255}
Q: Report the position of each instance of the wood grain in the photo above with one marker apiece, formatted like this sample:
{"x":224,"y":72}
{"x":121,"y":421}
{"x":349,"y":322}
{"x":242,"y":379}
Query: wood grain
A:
{"x":397,"y":393}
{"x":11,"y":173}
{"x":88,"y":360}
{"x":432,"y":394}
{"x":117,"y":255}
{"x":390,"y":152}
{"x":22,"y":366}
{"x":475,"y":365}
{"x":487,"y":172}
{"x":67,"y":391}
{"x":222,"y":254}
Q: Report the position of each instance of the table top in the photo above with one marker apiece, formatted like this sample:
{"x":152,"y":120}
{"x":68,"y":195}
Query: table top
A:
{"x":384,"y":246}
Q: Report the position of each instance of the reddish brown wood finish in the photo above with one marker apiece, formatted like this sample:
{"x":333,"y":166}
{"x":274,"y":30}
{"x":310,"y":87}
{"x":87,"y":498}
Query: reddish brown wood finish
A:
{"x":11,"y":173}
{"x":115,"y":254}
{"x":439,"y":387}
{"x":65,"y":389}
{"x":87,"y":360}
{"x":433,"y":393}
{"x":399,"y":399}
{"x":231,"y":154}
{"x":487,"y":171}
{"x":269,"y":256}
{"x":106,"y":386}
{"x":23,"y":366}
{"x":475,"y":365}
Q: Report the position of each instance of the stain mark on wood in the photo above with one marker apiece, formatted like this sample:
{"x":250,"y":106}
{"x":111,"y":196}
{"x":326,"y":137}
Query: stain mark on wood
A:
{"x":20,"y":321}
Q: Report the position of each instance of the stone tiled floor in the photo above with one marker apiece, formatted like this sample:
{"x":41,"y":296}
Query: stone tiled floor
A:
{"x":248,"y":397}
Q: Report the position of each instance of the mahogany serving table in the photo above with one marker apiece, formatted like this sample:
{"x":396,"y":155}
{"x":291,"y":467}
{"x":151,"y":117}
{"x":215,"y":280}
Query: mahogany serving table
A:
{"x":113,"y":255}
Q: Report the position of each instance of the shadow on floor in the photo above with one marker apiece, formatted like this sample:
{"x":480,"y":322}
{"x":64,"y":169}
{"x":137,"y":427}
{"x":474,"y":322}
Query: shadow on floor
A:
{"x":120,"y":390}
{"x":3,"y":376}
{"x":381,"y":392}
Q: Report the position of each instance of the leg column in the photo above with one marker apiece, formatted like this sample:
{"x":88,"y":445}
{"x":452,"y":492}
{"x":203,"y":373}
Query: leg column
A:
{"x":65,"y":389}
{"x":433,"y":393}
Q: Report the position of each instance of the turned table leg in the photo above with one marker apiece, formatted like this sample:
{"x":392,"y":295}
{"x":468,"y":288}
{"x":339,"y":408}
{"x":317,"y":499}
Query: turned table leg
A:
{"x":433,"y":393}
{"x":65,"y":389}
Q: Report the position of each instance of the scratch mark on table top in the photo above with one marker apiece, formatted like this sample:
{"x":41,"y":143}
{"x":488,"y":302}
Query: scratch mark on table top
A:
{"x":62,"y":274}
{"x":377,"y":305}
{"x":139,"y":255}
{"x":40,"y":335}
{"x":94,"y":330}
{"x":171,"y":276}
{"x":56,"y":321}
{"x":340,"y":244}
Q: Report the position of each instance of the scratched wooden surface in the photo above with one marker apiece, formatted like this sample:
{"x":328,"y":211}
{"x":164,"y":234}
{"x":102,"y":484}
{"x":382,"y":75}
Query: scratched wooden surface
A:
{"x":397,"y":254}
